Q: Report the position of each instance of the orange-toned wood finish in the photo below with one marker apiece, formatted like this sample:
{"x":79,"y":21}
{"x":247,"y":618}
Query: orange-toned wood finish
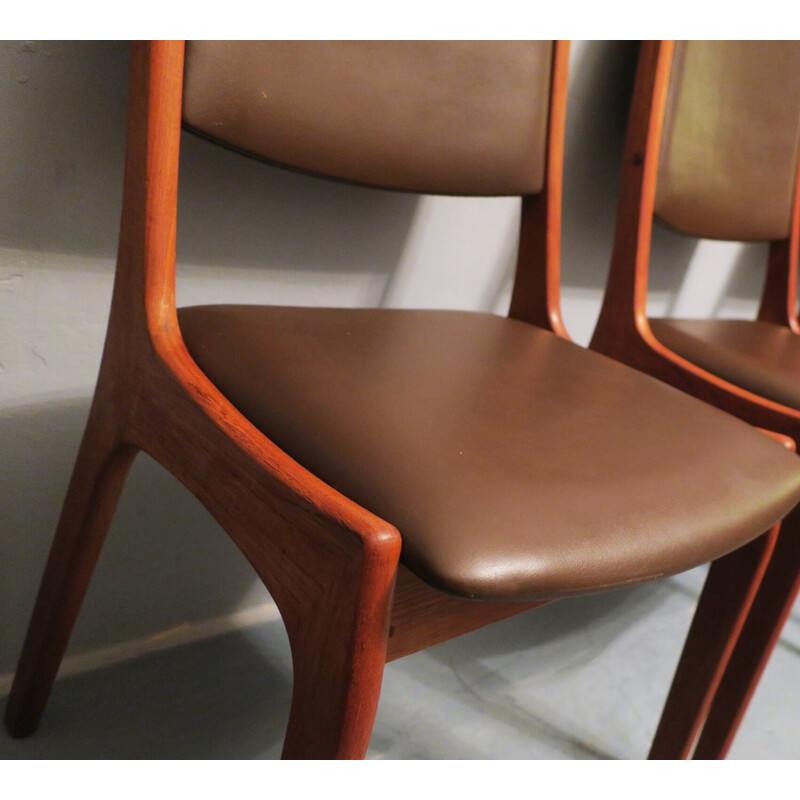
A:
{"x":721,"y":612}
{"x":536,"y":294}
{"x":423,"y":616}
{"x":760,"y":634}
{"x":330,"y":565}
{"x":623,"y":332}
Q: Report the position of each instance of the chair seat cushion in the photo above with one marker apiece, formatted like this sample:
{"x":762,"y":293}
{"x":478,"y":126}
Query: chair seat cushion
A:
{"x":758,"y":356}
{"x":515,"y":464}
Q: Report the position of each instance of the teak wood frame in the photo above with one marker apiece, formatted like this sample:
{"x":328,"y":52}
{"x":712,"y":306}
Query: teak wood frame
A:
{"x":623,"y":332}
{"x":332,"y":567}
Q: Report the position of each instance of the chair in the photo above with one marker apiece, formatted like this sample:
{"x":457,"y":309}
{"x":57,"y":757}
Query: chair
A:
{"x":511,"y":466}
{"x":712,"y":151}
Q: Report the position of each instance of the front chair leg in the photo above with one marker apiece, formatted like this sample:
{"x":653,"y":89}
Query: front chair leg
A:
{"x":726,"y":598}
{"x":335,"y":599}
{"x":339,"y":652}
{"x":761,"y":633}
{"x":331,"y":575}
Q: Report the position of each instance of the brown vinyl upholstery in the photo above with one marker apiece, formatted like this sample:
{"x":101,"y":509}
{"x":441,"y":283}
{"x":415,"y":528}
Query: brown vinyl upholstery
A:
{"x":758,"y":356}
{"x":515,"y":464}
{"x":729,"y":147}
{"x":440,"y":117}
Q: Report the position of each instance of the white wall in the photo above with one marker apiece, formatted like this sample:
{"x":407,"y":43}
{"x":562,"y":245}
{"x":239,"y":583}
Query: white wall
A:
{"x":243,"y":237}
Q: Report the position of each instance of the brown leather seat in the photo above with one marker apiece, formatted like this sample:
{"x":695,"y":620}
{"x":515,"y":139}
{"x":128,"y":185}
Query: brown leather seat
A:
{"x":515,"y":464}
{"x":758,"y":356}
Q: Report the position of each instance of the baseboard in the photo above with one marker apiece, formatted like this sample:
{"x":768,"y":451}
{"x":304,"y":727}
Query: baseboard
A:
{"x":135,"y":648}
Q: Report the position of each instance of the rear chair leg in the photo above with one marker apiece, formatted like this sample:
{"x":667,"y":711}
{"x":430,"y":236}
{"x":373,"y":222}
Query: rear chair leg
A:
{"x":759,"y":636}
{"x":97,"y":481}
{"x":721,"y":611}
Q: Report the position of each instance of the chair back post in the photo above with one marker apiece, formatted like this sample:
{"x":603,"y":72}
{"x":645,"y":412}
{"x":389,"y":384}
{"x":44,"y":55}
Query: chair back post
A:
{"x":779,"y":298}
{"x":623,"y":314}
{"x":535,"y":296}
{"x":143,"y":304}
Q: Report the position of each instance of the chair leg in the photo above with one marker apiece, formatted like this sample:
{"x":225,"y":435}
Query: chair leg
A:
{"x":97,"y":480}
{"x":332,"y":584}
{"x":336,"y":612}
{"x":759,"y":636}
{"x":339,"y":652}
{"x":721,"y":611}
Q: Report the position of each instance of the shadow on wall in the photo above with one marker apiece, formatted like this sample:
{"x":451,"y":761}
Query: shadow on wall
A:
{"x":230,"y":697}
{"x":601,"y":86}
{"x":62,"y":137}
{"x":224,"y":698}
{"x":670,"y":256}
{"x":601,"y":82}
{"x":236,"y":211}
{"x":746,"y":281}
{"x":62,"y":190}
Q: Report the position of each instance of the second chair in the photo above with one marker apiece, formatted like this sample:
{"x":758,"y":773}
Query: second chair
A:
{"x":712,"y":151}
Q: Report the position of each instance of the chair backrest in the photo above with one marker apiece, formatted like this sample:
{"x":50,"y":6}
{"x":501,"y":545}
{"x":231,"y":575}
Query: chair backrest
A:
{"x":711,"y":149}
{"x":727,"y":164}
{"x":466,"y":118}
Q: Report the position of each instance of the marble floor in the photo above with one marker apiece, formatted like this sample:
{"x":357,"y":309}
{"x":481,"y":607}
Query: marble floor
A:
{"x":580,"y":679}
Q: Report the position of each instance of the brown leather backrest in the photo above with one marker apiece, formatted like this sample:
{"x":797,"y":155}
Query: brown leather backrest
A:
{"x":438,"y":117}
{"x":730,"y":141}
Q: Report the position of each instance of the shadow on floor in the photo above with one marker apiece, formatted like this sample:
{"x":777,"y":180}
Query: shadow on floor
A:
{"x":217,"y":699}
{"x":229,"y":697}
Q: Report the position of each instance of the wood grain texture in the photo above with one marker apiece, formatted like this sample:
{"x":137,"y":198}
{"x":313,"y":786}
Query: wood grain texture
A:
{"x":329,"y":564}
{"x":98,"y":476}
{"x":623,"y":332}
{"x":423,"y":616}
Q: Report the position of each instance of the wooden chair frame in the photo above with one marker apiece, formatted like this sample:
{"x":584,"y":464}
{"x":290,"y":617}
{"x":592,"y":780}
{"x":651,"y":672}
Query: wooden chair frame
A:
{"x":623,"y":332}
{"x":331,"y":567}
